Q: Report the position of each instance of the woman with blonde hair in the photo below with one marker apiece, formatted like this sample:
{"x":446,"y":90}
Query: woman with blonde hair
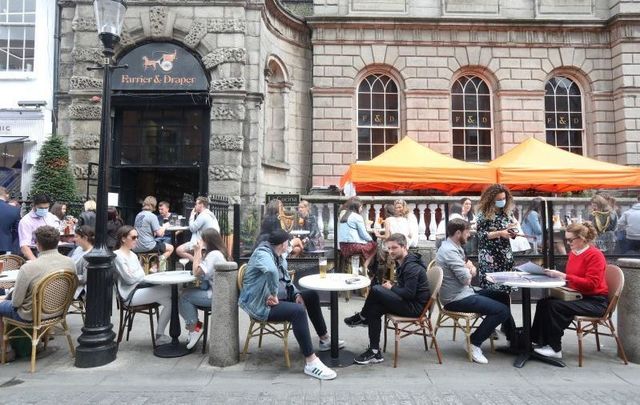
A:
{"x":400,"y":222}
{"x":585,"y":272}
{"x":604,"y":219}
{"x":306,"y":221}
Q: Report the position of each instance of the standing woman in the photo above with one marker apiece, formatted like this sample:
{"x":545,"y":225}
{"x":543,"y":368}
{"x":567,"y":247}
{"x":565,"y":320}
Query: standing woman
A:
{"x":203,"y":269}
{"x":130,"y":276}
{"x":532,"y":224}
{"x":585,"y":272}
{"x":495,"y":227}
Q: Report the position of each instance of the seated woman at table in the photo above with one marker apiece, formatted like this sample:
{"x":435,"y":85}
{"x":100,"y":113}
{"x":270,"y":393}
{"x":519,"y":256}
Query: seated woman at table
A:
{"x":130,"y":278}
{"x":306,"y":222}
{"x":85,"y":239}
{"x":268,"y":294}
{"x":203,"y":269}
{"x":585,"y":272}
{"x":353,"y":237}
{"x":402,"y":221}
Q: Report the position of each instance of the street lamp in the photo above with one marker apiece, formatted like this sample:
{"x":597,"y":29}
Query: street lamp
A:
{"x":97,"y":346}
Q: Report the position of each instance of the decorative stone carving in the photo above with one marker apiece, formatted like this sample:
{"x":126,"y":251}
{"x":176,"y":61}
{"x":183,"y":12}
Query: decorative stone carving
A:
{"x":227,"y":142}
{"x":90,"y":141}
{"x":232,"y":83}
{"x":81,"y":172}
{"x":84,"y":24}
{"x":226,"y":25}
{"x":227,"y":112}
{"x":93,"y":55}
{"x":126,"y":39}
{"x":85,"y":112}
{"x":222,"y":172}
{"x":197,"y":31}
{"x":224,"y":55}
{"x":85,"y":83}
{"x":158,"y":18}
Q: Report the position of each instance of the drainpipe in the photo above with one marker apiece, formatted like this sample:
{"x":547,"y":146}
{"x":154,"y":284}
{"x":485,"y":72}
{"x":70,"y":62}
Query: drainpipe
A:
{"x":56,"y":56}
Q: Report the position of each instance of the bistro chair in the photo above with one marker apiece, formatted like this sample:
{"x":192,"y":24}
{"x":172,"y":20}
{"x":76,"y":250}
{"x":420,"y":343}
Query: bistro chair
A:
{"x":52,"y":296}
{"x":421,"y":325}
{"x":205,"y":325}
{"x":128,"y":313}
{"x":12,"y":262}
{"x":78,"y":307}
{"x":615,"y":282}
{"x":259,"y":328}
{"x":466,"y":321}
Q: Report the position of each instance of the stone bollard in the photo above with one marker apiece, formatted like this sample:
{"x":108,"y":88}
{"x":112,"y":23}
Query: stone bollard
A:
{"x":224,"y":348}
{"x":629,"y":309}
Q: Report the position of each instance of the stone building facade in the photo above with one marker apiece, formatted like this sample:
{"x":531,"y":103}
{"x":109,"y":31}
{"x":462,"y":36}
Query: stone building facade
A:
{"x":297,"y":90}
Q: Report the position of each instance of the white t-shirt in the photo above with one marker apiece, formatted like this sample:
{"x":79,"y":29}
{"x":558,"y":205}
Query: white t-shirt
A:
{"x":129,"y":270}
{"x":208,"y":267}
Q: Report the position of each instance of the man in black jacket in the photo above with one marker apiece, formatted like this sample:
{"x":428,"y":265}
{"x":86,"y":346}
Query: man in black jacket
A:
{"x":407,"y":297}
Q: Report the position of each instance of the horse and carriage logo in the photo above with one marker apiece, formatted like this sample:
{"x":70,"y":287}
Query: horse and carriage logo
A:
{"x":165,"y":61}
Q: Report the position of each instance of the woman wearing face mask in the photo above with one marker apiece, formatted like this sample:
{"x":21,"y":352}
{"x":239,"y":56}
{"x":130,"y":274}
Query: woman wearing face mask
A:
{"x":585,"y":272}
{"x":495,"y":227}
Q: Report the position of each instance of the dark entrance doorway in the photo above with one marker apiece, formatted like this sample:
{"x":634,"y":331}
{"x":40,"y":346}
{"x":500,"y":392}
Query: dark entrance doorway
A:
{"x":160,"y":151}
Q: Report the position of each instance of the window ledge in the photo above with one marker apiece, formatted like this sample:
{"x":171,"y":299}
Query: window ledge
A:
{"x":272,"y":164}
{"x":17,"y":76}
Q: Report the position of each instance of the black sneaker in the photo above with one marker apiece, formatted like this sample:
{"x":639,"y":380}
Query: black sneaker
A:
{"x":355,"y":320}
{"x":369,"y":357}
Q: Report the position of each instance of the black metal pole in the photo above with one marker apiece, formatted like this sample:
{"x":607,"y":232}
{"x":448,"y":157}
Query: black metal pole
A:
{"x":97,"y":346}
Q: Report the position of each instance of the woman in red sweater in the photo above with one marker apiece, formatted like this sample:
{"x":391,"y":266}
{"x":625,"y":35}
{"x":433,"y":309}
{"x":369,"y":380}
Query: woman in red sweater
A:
{"x":585,"y":272}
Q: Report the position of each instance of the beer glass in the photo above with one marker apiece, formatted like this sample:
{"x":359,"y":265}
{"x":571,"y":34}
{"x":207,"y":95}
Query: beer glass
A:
{"x":322,"y":263}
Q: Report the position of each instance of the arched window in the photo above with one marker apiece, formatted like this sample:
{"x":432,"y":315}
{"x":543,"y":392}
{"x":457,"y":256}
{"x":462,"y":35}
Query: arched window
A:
{"x":563,"y":114}
{"x":275,"y":131}
{"x":471,"y":119}
{"x":378,"y":121}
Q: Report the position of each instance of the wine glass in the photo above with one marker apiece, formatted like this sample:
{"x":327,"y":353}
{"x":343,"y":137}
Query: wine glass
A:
{"x":183,"y":261}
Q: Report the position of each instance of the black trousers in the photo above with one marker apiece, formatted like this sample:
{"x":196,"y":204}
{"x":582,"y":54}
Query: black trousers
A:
{"x":381,"y":301}
{"x":553,"y":316}
{"x":297,"y":315}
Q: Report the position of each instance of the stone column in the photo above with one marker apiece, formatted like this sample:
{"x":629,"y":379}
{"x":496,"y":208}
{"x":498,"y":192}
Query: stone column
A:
{"x":629,"y":309}
{"x":224,"y":348}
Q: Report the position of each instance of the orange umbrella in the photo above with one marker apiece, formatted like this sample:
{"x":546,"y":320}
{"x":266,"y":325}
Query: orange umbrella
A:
{"x":536,"y":165}
{"x":412,"y":166}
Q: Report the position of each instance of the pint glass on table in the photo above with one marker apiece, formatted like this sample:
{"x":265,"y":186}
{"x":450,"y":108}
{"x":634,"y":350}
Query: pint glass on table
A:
{"x":322,"y":264}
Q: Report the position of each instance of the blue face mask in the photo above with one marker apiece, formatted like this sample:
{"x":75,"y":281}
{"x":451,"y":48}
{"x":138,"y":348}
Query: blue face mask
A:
{"x":42,"y":212}
{"x":501,"y":203}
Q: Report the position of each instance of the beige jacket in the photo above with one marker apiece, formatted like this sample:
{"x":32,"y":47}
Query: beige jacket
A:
{"x":30,"y":273}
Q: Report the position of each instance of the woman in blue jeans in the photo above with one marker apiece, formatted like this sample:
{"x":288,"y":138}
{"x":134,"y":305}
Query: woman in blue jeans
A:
{"x":191,"y":298}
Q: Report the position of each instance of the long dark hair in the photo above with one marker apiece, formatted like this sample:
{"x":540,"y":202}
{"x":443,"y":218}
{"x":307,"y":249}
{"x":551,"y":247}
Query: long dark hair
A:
{"x":353,"y":204}
{"x":272,"y":208}
{"x":122,"y":233}
{"x":213,"y":241}
{"x":87,"y":232}
{"x":56,"y":210}
{"x":534,"y":205}
{"x":470,"y":214}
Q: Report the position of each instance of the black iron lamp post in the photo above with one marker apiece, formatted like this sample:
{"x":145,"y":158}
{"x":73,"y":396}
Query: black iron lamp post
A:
{"x":97,"y":346}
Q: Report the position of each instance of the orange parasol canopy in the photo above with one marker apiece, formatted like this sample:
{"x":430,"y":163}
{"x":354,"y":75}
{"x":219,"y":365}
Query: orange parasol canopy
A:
{"x":412,"y":166}
{"x":536,"y":165}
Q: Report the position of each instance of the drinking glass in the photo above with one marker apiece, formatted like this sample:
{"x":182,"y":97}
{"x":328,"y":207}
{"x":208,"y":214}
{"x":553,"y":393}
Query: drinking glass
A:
{"x":183,"y":261}
{"x":322,"y":263}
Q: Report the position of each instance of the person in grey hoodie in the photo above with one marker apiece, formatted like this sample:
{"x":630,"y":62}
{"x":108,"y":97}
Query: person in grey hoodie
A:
{"x":629,"y":223}
{"x":201,"y":218}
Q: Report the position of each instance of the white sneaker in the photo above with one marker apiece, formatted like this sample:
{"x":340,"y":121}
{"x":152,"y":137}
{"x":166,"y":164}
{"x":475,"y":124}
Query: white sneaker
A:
{"x":547,"y":351}
{"x":318,"y":370}
{"x":476,"y":354}
{"x":194,"y":337}
{"x":326,"y":346}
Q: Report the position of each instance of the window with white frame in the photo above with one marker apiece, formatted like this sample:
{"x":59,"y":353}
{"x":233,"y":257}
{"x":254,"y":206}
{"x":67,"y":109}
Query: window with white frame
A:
{"x":563,"y":114}
{"x":471,"y":119}
{"x":378,"y":118}
{"x":17,"y":35}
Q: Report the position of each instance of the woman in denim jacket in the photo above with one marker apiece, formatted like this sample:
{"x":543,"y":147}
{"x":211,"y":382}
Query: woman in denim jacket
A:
{"x":352,"y":234}
{"x":269,"y":295}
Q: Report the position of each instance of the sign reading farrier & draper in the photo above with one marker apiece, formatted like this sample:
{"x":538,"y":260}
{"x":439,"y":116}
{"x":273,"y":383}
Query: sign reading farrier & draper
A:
{"x":160,"y":66}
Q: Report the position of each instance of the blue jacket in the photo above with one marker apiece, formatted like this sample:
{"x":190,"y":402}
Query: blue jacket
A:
{"x":262,"y":278}
{"x":353,"y":231}
{"x":531,"y":226}
{"x":9,"y":219}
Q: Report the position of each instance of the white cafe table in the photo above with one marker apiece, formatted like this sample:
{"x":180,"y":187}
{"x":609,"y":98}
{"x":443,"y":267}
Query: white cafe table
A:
{"x":335,"y":282}
{"x":8,"y":278}
{"x":526,"y":282}
{"x":173,"y":278}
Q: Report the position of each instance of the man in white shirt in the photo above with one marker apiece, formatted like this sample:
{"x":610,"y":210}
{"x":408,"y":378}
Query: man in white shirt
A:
{"x":201,"y":218}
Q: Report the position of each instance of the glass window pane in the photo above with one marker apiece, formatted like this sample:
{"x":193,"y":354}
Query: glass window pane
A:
{"x":457,"y":119}
{"x":30,"y":6}
{"x":577,"y":150}
{"x":377,"y":118}
{"x":364,"y":153}
{"x":471,"y":136}
{"x":549,"y":103}
{"x":377,"y":150}
{"x":575,"y":103}
{"x":391,"y":137}
{"x":562,"y":120}
{"x":14,"y":18}
{"x":484,"y":119}
{"x":457,"y":88}
{"x":471,"y":153}
{"x":484,"y":103}
{"x":456,"y":102}
{"x":576,"y":121}
{"x":15,"y":6}
{"x":377,"y":101}
{"x":377,"y":135}
{"x":484,"y":154}
{"x":470,"y":102}
{"x":562,"y":138}
{"x":458,"y":152}
{"x":364,"y":86}
{"x":471,"y":120}
{"x":562,"y":104}
{"x":458,"y":136}
{"x":377,"y":86}
{"x":551,"y":137}
{"x":364,"y":135}
{"x":30,"y":18}
{"x":482,"y":86}
{"x":485,"y":138}
{"x":574,"y":89}
{"x":391,"y":118}
{"x":575,"y":138}
{"x":550,"y":120}
{"x":392,"y":101}
{"x":391,"y":86}
{"x":364,"y":118}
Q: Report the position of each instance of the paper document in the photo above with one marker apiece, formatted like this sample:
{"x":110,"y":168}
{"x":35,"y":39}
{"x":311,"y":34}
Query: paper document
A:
{"x":531,"y":268}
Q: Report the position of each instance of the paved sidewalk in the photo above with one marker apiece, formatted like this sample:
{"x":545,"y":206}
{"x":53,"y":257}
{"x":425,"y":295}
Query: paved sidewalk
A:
{"x":138,"y":377}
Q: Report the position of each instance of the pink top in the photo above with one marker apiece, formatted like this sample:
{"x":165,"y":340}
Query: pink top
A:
{"x":30,"y":222}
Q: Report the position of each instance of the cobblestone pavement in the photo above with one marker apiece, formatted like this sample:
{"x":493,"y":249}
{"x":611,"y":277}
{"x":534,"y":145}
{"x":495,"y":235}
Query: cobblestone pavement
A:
{"x":138,"y":377}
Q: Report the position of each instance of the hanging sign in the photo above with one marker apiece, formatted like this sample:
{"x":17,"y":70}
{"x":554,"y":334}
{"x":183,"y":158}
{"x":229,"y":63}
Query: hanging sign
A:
{"x":159,"y":66}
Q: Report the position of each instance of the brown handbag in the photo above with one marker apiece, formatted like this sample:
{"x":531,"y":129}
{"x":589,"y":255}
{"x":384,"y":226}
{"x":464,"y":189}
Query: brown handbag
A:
{"x":565,"y":294}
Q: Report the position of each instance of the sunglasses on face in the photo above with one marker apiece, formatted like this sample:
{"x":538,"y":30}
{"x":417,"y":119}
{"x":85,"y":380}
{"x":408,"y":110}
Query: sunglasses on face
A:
{"x":133,"y":237}
{"x":570,"y":240}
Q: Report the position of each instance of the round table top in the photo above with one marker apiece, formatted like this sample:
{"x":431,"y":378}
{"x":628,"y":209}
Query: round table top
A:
{"x":170,"y":277}
{"x":9,"y":276}
{"x":334,"y":282}
{"x":525,"y":280}
{"x":176,"y":228}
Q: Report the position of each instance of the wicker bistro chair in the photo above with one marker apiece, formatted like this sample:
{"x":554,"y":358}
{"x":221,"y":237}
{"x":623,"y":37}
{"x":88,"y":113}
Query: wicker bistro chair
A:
{"x":12,"y":262}
{"x":615,"y":282}
{"x":128,"y":313}
{"x":259,"y":328}
{"x":52,"y":296}
{"x":421,"y":325}
{"x":466,"y":321}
